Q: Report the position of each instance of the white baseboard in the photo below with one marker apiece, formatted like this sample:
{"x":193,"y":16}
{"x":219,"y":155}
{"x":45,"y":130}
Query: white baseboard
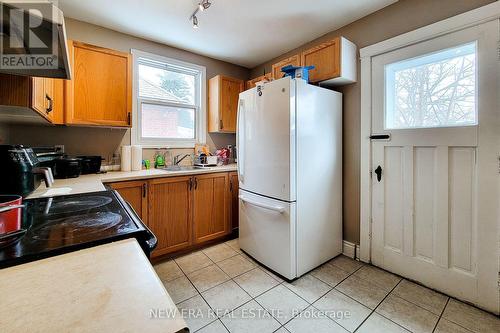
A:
{"x":350,"y":250}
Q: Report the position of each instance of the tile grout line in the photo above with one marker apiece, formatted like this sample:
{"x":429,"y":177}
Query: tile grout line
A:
{"x":312,"y":304}
{"x":199,"y":293}
{"x":331,"y":288}
{"x":204,"y":299}
{"x":372,"y":311}
{"x":334,"y":288}
{"x":391,"y":292}
{"x":441,"y":315}
{"x":257,"y":265}
{"x":230,"y":278}
{"x":309,"y":304}
{"x":279,"y":283}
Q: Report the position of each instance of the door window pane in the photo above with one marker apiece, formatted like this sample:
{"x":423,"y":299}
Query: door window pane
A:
{"x":434,"y":90}
{"x":166,"y":122}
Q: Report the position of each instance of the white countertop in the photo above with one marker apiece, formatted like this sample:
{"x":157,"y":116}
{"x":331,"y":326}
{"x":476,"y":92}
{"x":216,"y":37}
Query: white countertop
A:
{"x":95,"y":182}
{"x":107,"y":288}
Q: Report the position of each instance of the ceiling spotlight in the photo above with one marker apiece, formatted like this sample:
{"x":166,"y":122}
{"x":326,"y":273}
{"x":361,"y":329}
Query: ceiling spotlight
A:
{"x":204,"y":4}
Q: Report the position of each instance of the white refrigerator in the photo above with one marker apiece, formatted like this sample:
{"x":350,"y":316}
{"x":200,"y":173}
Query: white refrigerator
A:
{"x":289,"y":140}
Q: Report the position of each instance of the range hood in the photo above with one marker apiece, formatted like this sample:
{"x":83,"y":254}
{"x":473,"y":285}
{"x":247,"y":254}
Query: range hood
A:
{"x":33,"y":40}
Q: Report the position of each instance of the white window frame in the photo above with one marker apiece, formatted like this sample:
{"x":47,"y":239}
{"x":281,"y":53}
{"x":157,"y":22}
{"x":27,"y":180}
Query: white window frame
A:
{"x":199,"y":106}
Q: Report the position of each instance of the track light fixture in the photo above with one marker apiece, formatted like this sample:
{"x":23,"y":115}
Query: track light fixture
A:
{"x":202,"y":6}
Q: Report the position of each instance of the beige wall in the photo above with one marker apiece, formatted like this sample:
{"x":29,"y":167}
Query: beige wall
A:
{"x":104,"y":141}
{"x":4,"y":133}
{"x":401,"y":17}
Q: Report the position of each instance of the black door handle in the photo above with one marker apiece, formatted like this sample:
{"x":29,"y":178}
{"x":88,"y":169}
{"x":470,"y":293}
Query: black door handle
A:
{"x":378,"y":171}
{"x":380,"y":137}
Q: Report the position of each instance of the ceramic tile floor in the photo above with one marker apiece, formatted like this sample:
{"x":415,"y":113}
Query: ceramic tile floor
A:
{"x":220,"y":289}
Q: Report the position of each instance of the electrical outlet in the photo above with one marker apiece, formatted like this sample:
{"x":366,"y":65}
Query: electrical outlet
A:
{"x":60,"y":148}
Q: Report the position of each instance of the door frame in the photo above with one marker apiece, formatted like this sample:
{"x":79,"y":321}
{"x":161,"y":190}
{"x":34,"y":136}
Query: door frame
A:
{"x":462,"y":21}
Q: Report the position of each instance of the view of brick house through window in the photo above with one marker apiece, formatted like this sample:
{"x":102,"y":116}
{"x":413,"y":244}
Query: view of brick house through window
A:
{"x":167,"y":101}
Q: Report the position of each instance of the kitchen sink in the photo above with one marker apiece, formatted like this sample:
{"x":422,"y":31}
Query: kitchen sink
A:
{"x":181,"y":168}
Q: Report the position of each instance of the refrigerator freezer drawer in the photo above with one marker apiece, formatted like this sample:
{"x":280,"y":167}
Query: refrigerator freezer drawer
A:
{"x":267,"y":232}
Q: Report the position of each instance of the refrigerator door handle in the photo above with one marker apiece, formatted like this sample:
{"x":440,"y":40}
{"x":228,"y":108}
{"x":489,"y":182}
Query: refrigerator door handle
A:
{"x":279,"y":209}
{"x":240,"y":139}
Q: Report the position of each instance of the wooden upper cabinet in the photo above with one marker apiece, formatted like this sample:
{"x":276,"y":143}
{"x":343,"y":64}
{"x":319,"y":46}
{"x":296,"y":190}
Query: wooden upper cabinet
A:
{"x":211,"y":206}
{"x":42,"y":97}
{"x":36,"y":93}
{"x":38,"y":97}
{"x":169,"y":213}
{"x":253,"y":82}
{"x":223,"y":96}
{"x":57,"y":115}
{"x":326,"y":60}
{"x":136,"y":194}
{"x":100,"y":92}
{"x":276,"y":68}
{"x":234,"y":189}
{"x":334,"y":62}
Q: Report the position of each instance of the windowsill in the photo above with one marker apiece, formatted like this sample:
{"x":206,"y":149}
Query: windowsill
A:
{"x":168,"y":146}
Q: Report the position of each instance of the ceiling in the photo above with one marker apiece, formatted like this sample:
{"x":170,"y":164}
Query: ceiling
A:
{"x":243,"y":32}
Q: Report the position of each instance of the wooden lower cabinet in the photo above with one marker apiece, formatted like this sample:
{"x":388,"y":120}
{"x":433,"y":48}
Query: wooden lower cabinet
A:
{"x":135,"y":193}
{"x":169,"y":213}
{"x":184,"y":211}
{"x":211,"y":207}
{"x":234,"y":190}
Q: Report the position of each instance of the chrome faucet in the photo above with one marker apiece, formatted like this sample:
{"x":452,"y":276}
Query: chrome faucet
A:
{"x":178,"y":160}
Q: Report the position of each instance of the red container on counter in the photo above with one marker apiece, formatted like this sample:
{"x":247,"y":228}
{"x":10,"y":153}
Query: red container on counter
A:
{"x":10,"y":220}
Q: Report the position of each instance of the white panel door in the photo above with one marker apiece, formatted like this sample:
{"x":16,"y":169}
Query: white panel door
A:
{"x":266,"y":139}
{"x":435,"y":179}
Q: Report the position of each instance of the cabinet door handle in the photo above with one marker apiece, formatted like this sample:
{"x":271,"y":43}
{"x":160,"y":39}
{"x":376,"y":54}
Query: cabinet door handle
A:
{"x":50,"y":107}
{"x":190,"y":184}
{"x":129,"y":121}
{"x":195,"y":183}
{"x":144,"y":190}
{"x":231,"y":185}
{"x":221,"y":124}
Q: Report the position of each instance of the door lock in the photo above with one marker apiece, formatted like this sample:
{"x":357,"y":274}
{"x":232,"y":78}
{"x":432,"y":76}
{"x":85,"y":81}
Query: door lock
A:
{"x":378,"y":171}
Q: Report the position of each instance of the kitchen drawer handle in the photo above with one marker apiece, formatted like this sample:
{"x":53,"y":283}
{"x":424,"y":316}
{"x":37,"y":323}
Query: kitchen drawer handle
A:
{"x":50,"y":108}
{"x":279,"y":209}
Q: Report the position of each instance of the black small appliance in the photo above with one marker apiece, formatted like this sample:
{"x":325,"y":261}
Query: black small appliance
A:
{"x":68,"y":167}
{"x":48,"y":156}
{"x":20,"y":170}
{"x":90,"y":164}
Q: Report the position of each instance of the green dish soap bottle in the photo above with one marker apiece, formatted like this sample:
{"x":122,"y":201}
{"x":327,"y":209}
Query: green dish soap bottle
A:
{"x":159,"y":160}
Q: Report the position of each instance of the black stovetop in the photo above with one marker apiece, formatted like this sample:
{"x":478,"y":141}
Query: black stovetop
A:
{"x":67,"y":223}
